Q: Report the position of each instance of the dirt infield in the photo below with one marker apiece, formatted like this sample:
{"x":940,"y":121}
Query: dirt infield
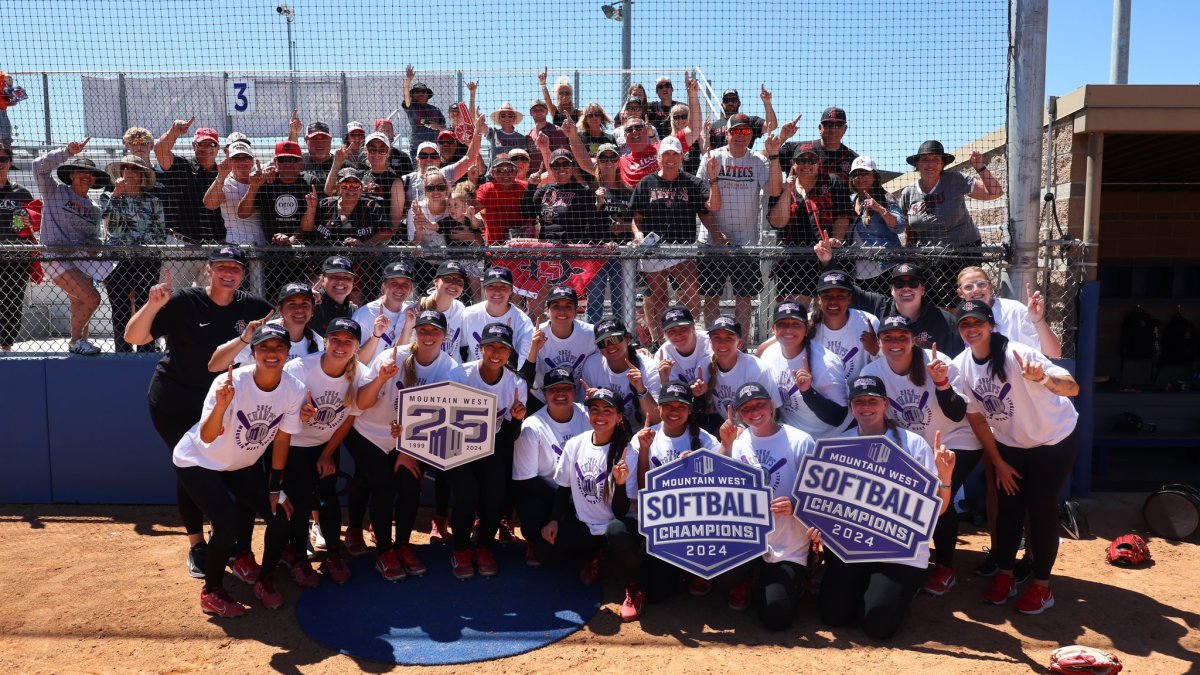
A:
{"x":103,"y":589}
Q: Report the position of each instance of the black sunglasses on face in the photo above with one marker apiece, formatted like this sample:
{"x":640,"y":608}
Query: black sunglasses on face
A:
{"x":906,"y":283}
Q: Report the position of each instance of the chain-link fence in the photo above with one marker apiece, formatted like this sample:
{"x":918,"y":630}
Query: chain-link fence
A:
{"x":624,"y":280}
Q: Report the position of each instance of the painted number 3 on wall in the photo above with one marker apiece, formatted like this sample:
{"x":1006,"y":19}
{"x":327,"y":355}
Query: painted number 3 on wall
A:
{"x":240,"y":97}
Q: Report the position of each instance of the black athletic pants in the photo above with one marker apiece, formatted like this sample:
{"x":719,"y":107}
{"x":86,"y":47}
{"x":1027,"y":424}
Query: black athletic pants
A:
{"x":312,"y":493}
{"x":1044,"y":471}
{"x":658,"y":579}
{"x":128,"y":287}
{"x":535,"y":501}
{"x":395,"y":493}
{"x":945,"y":533}
{"x":875,"y":593}
{"x":171,"y":426}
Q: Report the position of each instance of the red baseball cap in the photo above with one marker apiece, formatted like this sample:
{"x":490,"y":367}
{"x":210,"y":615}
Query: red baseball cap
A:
{"x":287,"y":149}
{"x":446,"y":135}
{"x":207,"y":134}
{"x":383,"y":122}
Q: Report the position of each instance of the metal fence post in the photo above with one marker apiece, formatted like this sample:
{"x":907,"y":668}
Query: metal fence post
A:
{"x":344,"y":108}
{"x":124,"y":102}
{"x":577,"y":95}
{"x":629,"y":290}
{"x":225,"y":103}
{"x":459,"y":79}
{"x":46,"y":106}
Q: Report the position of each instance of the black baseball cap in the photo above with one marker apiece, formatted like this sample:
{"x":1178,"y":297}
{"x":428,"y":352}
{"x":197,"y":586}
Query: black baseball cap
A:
{"x":431,"y":317}
{"x":349,"y":173}
{"x":337,"y":265}
{"x":607,"y":395}
{"x":450,"y":267}
{"x":749,"y":392}
{"x":609,"y":327}
{"x":739,"y":120}
{"x":731,"y":92}
{"x":344,"y":325}
{"x":557,"y":376}
{"x":562,"y":293}
{"x":497,"y":332}
{"x":501,"y":275}
{"x":294,"y":288}
{"x":831,"y":279}
{"x":895,"y":322}
{"x":790,"y":310}
{"x":833,"y":113}
{"x":398,"y":270}
{"x":677,"y":316}
{"x":867,"y":385}
{"x":228,"y":253}
{"x":726,"y":323}
{"x":974,"y":308}
{"x":270,"y":331}
{"x":807,"y":148}
{"x":908,"y":270}
{"x":676,"y":392}
{"x":318,"y":128}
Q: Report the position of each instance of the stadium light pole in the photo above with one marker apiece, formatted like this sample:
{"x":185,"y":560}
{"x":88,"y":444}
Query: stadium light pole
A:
{"x":285,"y":10}
{"x":622,"y":11}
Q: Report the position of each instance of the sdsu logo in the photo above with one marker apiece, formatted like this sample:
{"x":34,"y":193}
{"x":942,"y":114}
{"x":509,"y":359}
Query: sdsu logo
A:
{"x":590,"y":480}
{"x":911,"y":409}
{"x":256,"y":429}
{"x":993,"y":399}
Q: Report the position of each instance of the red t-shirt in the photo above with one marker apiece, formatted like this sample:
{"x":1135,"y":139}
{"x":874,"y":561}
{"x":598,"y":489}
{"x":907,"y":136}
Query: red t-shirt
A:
{"x":501,"y":209}
{"x":636,"y":166}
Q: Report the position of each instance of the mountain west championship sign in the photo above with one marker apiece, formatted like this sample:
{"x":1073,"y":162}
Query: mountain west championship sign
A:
{"x":447,"y":424}
{"x":705,"y":513}
{"x":870,"y":500}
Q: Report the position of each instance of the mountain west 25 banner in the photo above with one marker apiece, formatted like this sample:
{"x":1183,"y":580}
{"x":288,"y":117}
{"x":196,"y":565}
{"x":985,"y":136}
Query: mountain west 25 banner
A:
{"x":447,"y":424}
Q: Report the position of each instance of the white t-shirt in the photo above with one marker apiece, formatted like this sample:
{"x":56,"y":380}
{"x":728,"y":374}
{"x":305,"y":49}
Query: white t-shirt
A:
{"x":687,"y":367}
{"x":829,"y":378}
{"x":365,"y":318}
{"x":1013,"y":322}
{"x":298,"y":349}
{"x":415,"y":183}
{"x":846,"y":342}
{"x":540,"y":445}
{"x":375,"y":423}
{"x":249,"y":425}
{"x":914,"y":446}
{"x":432,"y":239}
{"x":583,"y":468}
{"x":239,"y":230}
{"x":742,"y":180}
{"x":1021,"y":413}
{"x":916,"y":408}
{"x":510,"y":384}
{"x":329,"y":396}
{"x":747,"y":369}
{"x":663,"y":449}
{"x":778,"y":455}
{"x":475,"y":317}
{"x":597,"y":373}
{"x":454,"y":330}
{"x":568,"y":352}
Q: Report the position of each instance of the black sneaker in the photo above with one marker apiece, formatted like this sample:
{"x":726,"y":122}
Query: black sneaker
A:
{"x":196,"y":559}
{"x":987,"y":568}
{"x":1023,"y":569}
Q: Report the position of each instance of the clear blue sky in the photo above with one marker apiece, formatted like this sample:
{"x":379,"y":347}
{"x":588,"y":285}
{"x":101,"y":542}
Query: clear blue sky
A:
{"x":905,"y":71}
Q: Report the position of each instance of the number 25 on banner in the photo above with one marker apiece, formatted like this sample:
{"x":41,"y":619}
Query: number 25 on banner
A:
{"x":239,"y":97}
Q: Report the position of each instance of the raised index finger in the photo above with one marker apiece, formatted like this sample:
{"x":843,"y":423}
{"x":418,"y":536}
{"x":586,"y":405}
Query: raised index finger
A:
{"x":167,"y":277}
{"x":729,"y":412}
{"x":934,"y":350}
{"x":1020,"y":363}
{"x":937,"y":439}
{"x":229,"y":375}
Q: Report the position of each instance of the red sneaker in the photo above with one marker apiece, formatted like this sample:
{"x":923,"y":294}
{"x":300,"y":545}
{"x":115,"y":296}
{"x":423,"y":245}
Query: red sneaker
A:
{"x":699,"y":586}
{"x":531,"y":558}
{"x":245,"y":568}
{"x":940,"y":580}
{"x":336,"y":569}
{"x":486,"y":562}
{"x":304,"y":575}
{"x":1003,"y":588}
{"x":287,"y":558}
{"x":739,"y":597}
{"x":631,"y":609}
{"x":412,"y":564}
{"x":439,"y":530}
{"x":355,"y":544}
{"x":590,"y":571}
{"x":1036,"y":599}
{"x":220,"y":603}
{"x":389,"y":567}
{"x":505,"y":534}
{"x":461,"y":565}
{"x":264,"y":590}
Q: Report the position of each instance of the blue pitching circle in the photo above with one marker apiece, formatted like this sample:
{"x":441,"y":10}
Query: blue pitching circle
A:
{"x":437,"y":619}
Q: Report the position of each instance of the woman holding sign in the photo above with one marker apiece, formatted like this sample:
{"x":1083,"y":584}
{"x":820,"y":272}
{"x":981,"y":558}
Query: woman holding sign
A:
{"x":395,"y":477}
{"x":923,"y":401}
{"x":777,"y":450}
{"x":810,"y":378}
{"x":1034,"y":424}
{"x":877,"y":593}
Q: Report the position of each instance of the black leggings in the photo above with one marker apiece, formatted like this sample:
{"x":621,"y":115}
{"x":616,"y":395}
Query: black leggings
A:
{"x":129,"y":286}
{"x":776,"y":589}
{"x":395,"y":493}
{"x":875,"y":593}
{"x":535,"y":501}
{"x":1044,"y":471}
{"x":658,"y":579}
{"x":479,"y":489}
{"x":171,"y":426}
{"x":945,"y":533}
{"x":227,"y":497}
{"x":312,"y":493}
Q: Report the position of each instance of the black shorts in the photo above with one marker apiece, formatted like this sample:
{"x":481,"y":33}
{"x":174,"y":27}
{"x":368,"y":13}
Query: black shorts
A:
{"x":795,"y":276}
{"x":742,"y":271}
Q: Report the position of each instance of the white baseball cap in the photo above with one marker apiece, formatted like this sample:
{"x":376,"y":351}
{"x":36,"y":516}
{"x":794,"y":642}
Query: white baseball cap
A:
{"x":863,"y":163}
{"x":669,"y":144}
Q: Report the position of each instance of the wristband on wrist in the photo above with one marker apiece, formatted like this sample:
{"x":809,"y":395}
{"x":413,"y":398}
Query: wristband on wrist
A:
{"x":943,"y":486}
{"x":940,"y":383}
{"x":772,"y":157}
{"x":274,"y":480}
{"x":981,"y":169}
{"x":1045,"y":379}
{"x":243,"y":340}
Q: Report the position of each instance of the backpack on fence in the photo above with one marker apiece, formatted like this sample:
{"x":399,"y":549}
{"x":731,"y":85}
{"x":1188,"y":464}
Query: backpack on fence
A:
{"x":1180,"y":342}
{"x":1139,"y":338}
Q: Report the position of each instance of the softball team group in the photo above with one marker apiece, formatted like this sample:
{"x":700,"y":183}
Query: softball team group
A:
{"x":256,"y":402}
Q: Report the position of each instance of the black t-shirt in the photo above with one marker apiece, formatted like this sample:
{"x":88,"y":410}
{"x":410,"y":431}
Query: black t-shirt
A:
{"x":933,"y":325}
{"x":670,"y":207}
{"x":378,"y":186}
{"x":363,"y":222}
{"x":316,"y":172}
{"x":717,"y":137}
{"x":565,"y":213}
{"x":659,"y":115}
{"x":614,"y":209}
{"x":399,"y":162}
{"x":183,"y":188}
{"x":833,"y":162}
{"x":281,"y":206}
{"x":559,"y":118}
{"x":827,"y":201}
{"x":13,"y":197}
{"x":593,"y":143}
{"x":328,"y":310}
{"x":194,"y":327}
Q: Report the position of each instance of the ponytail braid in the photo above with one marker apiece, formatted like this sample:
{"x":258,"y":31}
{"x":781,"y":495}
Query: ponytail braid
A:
{"x":916,"y":372}
{"x":998,"y":356}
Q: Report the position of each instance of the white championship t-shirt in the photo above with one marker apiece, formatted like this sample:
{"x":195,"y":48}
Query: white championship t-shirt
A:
{"x":1022,"y":414}
{"x":375,"y":423}
{"x":916,"y":408}
{"x":829,"y":379}
{"x":778,"y":455}
{"x":540,"y":446}
{"x":328,"y":395}
{"x":475,"y":318}
{"x":584,"y":469}
{"x":568,"y":352}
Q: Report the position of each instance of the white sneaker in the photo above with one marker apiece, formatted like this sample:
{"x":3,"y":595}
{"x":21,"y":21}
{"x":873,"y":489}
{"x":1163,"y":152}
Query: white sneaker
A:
{"x":84,"y":348}
{"x":315,"y":537}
